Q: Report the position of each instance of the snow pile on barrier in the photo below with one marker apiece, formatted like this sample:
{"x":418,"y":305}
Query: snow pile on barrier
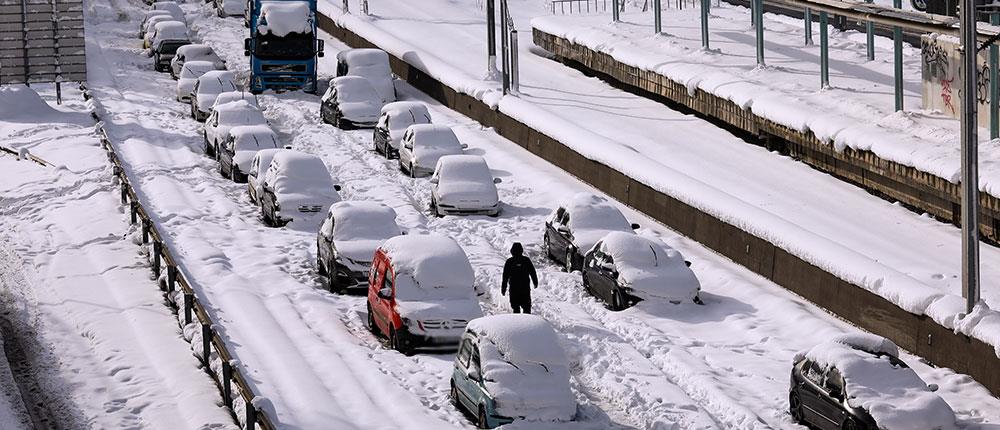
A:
{"x":21,"y":102}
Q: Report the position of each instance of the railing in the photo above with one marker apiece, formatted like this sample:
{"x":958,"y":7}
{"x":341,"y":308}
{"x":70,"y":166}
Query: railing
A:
{"x":219,"y":363}
{"x":582,"y":6}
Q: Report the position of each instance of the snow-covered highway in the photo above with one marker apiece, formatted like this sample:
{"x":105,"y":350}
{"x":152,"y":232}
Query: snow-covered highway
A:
{"x":722,"y":365}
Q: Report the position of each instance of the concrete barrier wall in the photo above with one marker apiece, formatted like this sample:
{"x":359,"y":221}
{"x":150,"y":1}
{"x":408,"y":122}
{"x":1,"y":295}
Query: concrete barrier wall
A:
{"x":915,"y":333}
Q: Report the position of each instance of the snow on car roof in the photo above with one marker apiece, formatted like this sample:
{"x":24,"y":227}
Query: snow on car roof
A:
{"x":195,"y":49}
{"x":433,"y":134}
{"x":890,"y":391}
{"x":361,"y":220}
{"x":590,"y":211}
{"x":214,"y":79}
{"x":167,"y":30}
{"x":649,"y":267}
{"x":298,"y":172}
{"x":521,"y":338}
{"x":253,"y":137}
{"x":283,"y":17}
{"x":434,"y":262}
{"x":199,"y":66}
{"x":354,"y":89}
{"x":232,"y":96}
{"x":397,"y":108}
{"x":362,"y":57}
{"x":238,"y":105}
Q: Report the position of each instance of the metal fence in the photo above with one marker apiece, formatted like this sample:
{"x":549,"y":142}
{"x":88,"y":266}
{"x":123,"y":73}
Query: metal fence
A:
{"x":578,"y":6}
{"x":42,"y":41}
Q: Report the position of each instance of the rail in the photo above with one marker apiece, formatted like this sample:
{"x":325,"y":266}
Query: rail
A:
{"x":225,"y":371}
{"x":566,"y":6}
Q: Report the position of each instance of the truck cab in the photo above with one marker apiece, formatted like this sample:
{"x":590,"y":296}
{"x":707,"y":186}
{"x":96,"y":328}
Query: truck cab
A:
{"x":283,"y":46}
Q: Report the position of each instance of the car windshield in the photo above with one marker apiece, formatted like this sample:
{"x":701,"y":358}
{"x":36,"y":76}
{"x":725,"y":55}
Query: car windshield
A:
{"x":293,"y":46}
{"x":256,"y":142}
{"x":409,"y":290}
{"x":365,"y":226}
{"x":170,"y":46}
{"x":353,"y":92}
{"x":216,"y":86}
{"x":241,"y":116}
{"x":192,"y":71}
{"x":476,"y":172}
{"x":598,"y":217}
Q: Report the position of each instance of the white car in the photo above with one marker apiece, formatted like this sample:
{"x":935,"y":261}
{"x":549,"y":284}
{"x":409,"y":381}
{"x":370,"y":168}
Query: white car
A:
{"x":235,"y":96}
{"x":396,"y":117}
{"x":509,"y":368}
{"x":226,"y":8}
{"x":188,"y":77}
{"x":226,"y":117}
{"x":463,"y":185}
{"x":150,"y":25}
{"x":423,"y":145}
{"x":296,"y":187}
{"x":857,"y":381}
{"x":146,"y":16}
{"x":347,"y":241}
{"x":577,"y":224}
{"x":255,"y":177}
{"x":194,"y":52}
{"x":208,"y":87}
{"x":169,"y":6}
{"x":625,"y":268}
{"x":350,"y":102}
{"x":166,"y":38}
{"x":371,"y":64}
{"x":241,"y":145}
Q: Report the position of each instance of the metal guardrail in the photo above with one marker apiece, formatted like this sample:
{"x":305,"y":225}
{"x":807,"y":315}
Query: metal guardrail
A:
{"x":582,"y":6}
{"x":30,"y":156}
{"x":231,"y":375}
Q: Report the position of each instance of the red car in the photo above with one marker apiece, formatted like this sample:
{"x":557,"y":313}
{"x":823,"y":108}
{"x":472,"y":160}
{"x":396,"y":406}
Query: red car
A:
{"x":421,"y":293}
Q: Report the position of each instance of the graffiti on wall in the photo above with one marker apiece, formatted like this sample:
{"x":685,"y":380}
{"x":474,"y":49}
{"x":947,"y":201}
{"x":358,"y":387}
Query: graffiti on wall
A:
{"x":942,"y":81}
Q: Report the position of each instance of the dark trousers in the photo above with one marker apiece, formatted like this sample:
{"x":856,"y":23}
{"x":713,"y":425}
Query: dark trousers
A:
{"x":521,"y":305}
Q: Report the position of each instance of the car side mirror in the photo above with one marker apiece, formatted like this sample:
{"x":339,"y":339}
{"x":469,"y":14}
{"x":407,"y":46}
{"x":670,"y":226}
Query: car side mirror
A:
{"x":687,"y":263}
{"x":408,"y":145}
{"x":608,"y":266}
{"x":434,"y":180}
{"x":246,"y":47}
{"x":932,"y":387}
{"x":563,"y":229}
{"x":837,"y":394}
{"x":465,"y":146}
{"x":385,"y":292}
{"x":403,"y":232}
{"x":635,"y":226}
{"x":497,"y":180}
{"x":319,"y":48}
{"x":337,"y":187}
{"x":473,"y":374}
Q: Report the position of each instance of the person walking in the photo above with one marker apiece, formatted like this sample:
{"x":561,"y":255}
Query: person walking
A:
{"x":519,"y":274}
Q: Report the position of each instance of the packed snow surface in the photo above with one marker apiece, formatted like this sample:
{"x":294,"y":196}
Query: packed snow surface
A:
{"x":282,"y":18}
{"x":888,"y":389}
{"x":650,"y":268}
{"x":524,"y":368}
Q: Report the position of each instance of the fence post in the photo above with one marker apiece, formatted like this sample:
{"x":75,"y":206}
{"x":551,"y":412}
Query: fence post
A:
{"x":514,"y":70}
{"x":364,"y":7}
{"x":157,"y":249}
{"x":251,"y":415}
{"x":994,"y":85}
{"x":504,"y":47}
{"x":206,"y":344}
{"x":705,"y":5}
{"x":134,"y":209}
{"x":227,"y":384}
{"x":824,"y":51}
{"x":807,"y":17}
{"x":347,"y":7}
{"x":758,"y":18}
{"x":171,"y":278}
{"x":897,"y":53}
{"x":657,"y":17}
{"x":614,"y":10}
{"x":124,"y":190}
{"x":145,"y":231}
{"x":188,"y":305}
{"x":491,"y":38}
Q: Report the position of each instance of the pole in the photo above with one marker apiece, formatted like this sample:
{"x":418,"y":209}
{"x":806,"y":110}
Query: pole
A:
{"x":614,"y":10}
{"x":758,"y":14}
{"x":808,"y":18}
{"x":657,"y":17}
{"x":870,"y":36}
{"x":970,"y":155}
{"x":491,"y":39}
{"x":504,"y":48}
{"x":897,"y":54}
{"x":347,"y":7}
{"x":705,"y":5}
{"x":514,"y":72}
{"x":994,"y":85}
{"x":824,"y":51}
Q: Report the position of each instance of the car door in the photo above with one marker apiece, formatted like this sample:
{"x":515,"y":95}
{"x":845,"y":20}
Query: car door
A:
{"x":381,"y":133}
{"x":462,"y":384}
{"x":811,"y":393}
{"x":324,"y":244}
{"x":227,"y":151}
{"x":477,"y":390}
{"x":557,"y":232}
{"x":833,"y":398}
{"x":406,"y":148}
{"x":602,"y":278}
{"x":384,"y":300}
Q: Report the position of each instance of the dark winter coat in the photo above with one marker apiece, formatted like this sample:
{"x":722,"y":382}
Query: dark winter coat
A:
{"x":519,"y":274}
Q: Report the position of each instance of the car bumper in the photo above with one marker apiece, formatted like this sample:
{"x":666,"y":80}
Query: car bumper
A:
{"x":412,"y":341}
{"x":360,"y":123}
{"x":351,"y":280}
{"x":446,"y":209}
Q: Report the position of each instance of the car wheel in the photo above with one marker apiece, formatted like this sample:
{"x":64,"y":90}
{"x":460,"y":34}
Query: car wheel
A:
{"x":335,"y":286}
{"x":319,"y":264}
{"x":850,"y":424}
{"x":481,"y":422}
{"x":434,"y":208}
{"x":412,"y":172}
{"x":920,"y":5}
{"x":569,"y":260}
{"x":454,"y":395}
{"x":222,"y":171}
{"x":267,"y":218}
{"x":395,"y":343}
{"x":371,"y":321}
{"x":795,"y":408}
{"x":617,"y":303}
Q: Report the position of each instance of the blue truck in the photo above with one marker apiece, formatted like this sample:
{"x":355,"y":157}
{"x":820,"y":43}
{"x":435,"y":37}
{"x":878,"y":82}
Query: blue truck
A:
{"x":283,"y":45}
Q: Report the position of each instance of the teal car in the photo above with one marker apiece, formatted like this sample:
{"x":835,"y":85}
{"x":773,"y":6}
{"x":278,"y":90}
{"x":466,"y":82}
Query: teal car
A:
{"x":511,"y":367}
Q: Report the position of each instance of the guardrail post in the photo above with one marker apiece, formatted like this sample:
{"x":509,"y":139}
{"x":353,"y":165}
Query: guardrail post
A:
{"x":157,"y":249}
{"x":251,"y":415}
{"x":171,"y":278}
{"x":227,"y":384}
{"x":134,"y":209}
{"x":206,"y":345}
{"x":824,"y":51}
{"x":614,"y":10}
{"x":145,"y":232}
{"x":515,"y":78}
{"x":188,"y":305}
{"x":808,"y":18}
{"x":705,"y":5}
{"x":897,"y":54}
{"x":994,"y":85}
{"x":347,"y":7}
{"x":504,"y":47}
{"x":124,"y":191}
{"x":491,"y":38}
{"x":657,"y":17}
{"x":870,"y":36}
{"x":364,"y":7}
{"x":758,"y":15}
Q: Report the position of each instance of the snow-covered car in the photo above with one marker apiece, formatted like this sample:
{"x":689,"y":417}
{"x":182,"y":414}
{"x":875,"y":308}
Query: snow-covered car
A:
{"x":235,"y":96}
{"x":147,"y":16}
{"x":423,"y":145}
{"x":255,"y":177}
{"x":371,"y":64}
{"x":169,"y":6}
{"x":577,"y":224}
{"x":463,"y":185}
{"x":296,"y":188}
{"x":858,"y":382}
{"x":625,"y":268}
{"x":208,"y":87}
{"x":226,"y":8}
{"x":167,"y":37}
{"x":350,"y":102}
{"x":239,"y":148}
{"x":188,"y":77}
{"x":347,"y":240}
{"x":511,"y":367}
{"x":396,"y":117}
{"x":194,"y":52}
{"x":225,"y":117}
{"x":150,"y":25}
{"x":421,"y":293}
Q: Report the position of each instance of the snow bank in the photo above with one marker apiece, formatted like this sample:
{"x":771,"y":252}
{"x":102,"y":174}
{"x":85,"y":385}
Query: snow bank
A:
{"x":281,"y":18}
{"x":19,"y":103}
{"x":650,"y":268}
{"x":882,"y":385}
